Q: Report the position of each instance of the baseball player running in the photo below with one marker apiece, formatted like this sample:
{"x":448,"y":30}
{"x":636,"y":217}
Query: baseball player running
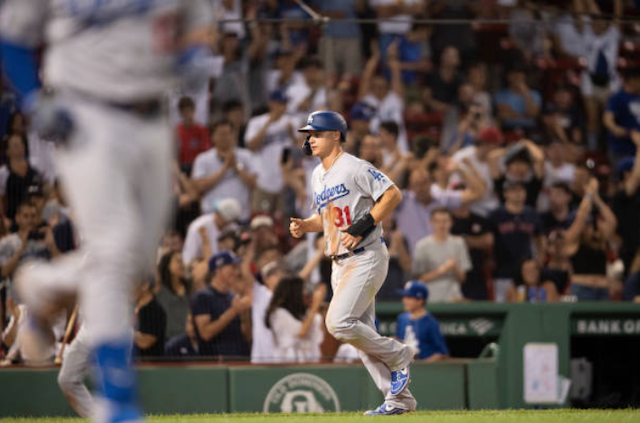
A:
{"x":109,"y":64}
{"x":351,"y":198}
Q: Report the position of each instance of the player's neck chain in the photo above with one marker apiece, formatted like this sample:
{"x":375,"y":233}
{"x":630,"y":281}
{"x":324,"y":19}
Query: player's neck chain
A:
{"x":334,"y":161}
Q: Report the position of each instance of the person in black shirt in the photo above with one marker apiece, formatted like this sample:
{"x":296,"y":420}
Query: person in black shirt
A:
{"x":626,"y":205}
{"x":478,"y":236}
{"x":559,"y":216}
{"x":445,"y":81}
{"x":562,"y":117}
{"x":222,"y":319}
{"x":151,"y":324}
{"x":516,"y":228}
{"x":524,"y":164}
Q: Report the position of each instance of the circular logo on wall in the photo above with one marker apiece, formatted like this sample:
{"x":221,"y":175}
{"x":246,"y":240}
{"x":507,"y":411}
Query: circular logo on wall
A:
{"x":301,"y":393}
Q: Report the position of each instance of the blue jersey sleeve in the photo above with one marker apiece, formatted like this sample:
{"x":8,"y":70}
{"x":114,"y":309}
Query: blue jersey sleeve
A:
{"x":439,"y":345}
{"x":19,"y":66}
{"x":401,"y":325}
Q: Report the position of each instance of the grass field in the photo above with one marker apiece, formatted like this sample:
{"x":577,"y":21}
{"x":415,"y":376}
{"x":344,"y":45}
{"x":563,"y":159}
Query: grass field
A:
{"x":507,"y":416}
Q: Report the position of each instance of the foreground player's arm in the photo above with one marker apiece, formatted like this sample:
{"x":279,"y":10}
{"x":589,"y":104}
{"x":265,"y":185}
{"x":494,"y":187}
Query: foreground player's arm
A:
{"x":299,"y":227}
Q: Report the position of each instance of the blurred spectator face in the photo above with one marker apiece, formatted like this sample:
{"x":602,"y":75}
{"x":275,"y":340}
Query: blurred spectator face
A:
{"x":530,"y":272}
{"x":412,"y":304}
{"x":559,"y":198}
{"x":441,"y":223}
{"x":632,"y":84}
{"x":450,"y":57}
{"x":283,"y":61}
{"x":370,"y":149}
{"x":555,"y":153}
{"x":478,"y":75}
{"x":359,"y":126}
{"x":519,"y":169}
{"x":235,"y":115}
{"x":187,"y":114}
{"x":18,"y":124}
{"x":268,"y":255}
{"x":313,"y":75}
{"x":16,"y":147}
{"x":420,"y":185}
{"x":563,"y":98}
{"x":222,"y":137}
{"x":176,"y":266}
{"x":227,"y":243}
{"x":379,"y":87}
{"x":272,"y":274}
{"x":26,"y":217}
{"x":277,"y":107}
{"x":515,"y":195}
{"x":387,"y":139}
{"x":466,"y":92}
{"x":229,"y":44}
{"x":228,"y":275}
{"x":515,"y":78}
{"x":172,"y":241}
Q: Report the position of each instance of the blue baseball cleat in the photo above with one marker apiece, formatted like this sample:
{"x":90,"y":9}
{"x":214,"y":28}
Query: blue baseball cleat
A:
{"x":399,"y":380}
{"x":386,"y":410}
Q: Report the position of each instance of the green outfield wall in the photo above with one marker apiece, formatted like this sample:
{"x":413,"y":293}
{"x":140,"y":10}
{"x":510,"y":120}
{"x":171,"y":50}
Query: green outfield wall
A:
{"x":469,"y":383}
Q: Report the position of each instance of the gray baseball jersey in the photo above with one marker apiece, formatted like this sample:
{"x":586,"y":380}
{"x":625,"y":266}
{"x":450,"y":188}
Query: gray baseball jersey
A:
{"x":343,"y":194}
{"x":120,"y":50}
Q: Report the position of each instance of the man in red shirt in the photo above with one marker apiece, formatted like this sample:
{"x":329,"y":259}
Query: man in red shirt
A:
{"x":193,"y":138}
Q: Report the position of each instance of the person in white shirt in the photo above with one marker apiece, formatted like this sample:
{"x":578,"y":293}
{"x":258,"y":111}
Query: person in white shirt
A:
{"x":227,"y":211}
{"x":267,"y":136}
{"x":224,"y":171}
{"x":297,"y":331}
{"x":386,"y":99}
{"x":308,"y":94}
{"x":262,"y":350}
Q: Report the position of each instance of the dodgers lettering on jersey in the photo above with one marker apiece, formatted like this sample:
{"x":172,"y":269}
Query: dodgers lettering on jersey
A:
{"x":345,"y":193}
{"x":117,"y":50}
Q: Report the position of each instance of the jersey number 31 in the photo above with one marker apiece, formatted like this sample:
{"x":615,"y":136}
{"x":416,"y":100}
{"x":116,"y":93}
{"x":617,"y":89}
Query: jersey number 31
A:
{"x":341,"y":215}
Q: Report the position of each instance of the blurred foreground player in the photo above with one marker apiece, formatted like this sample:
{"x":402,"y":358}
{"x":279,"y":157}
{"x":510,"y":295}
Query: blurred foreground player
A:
{"x":109,"y":63}
{"x":351,"y":198}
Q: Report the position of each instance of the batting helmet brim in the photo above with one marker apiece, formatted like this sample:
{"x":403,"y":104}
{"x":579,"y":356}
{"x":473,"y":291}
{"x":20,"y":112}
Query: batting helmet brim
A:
{"x":309,"y":128}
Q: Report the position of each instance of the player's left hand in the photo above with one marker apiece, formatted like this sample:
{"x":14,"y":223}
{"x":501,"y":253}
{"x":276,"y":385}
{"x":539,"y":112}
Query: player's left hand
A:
{"x":349,"y":241}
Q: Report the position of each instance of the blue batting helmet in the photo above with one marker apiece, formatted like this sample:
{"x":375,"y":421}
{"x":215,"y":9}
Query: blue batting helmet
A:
{"x":326,"y":121}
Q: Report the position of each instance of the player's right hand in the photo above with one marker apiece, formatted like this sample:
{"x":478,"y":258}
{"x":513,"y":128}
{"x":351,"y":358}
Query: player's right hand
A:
{"x":296,"y":227}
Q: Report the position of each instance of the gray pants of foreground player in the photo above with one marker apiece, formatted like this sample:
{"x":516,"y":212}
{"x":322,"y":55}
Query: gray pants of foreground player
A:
{"x":75,"y":367}
{"x":351,"y":318}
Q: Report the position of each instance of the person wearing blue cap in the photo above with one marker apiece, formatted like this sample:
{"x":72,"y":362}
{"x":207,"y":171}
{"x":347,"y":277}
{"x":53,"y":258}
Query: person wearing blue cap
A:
{"x":222,"y":318}
{"x":417,"y":327}
{"x":267,"y":136}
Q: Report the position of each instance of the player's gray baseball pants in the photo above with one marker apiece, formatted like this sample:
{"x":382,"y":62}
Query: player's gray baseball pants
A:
{"x":75,"y":367}
{"x":351,"y":318}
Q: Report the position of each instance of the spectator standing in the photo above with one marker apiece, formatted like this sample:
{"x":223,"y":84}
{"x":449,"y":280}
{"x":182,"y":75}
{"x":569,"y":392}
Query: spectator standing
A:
{"x":557,"y":169}
{"x":563,"y":118}
{"x":621,"y":117}
{"x":262,"y":349}
{"x":418,"y":328}
{"x":559,"y":216}
{"x":441,"y":260}
{"x":340,"y":46}
{"x":221,"y":317}
{"x":151,"y":324}
{"x":517,"y":227}
{"x":524,"y":162}
{"x":17,"y":175}
{"x":478,"y":236}
{"x":518,"y":105}
{"x":626,"y":205}
{"x":587,"y":244}
{"x":309,"y":93}
{"x":399,"y":261}
{"x":193,"y":138}
{"x":445,"y":80}
{"x":297,"y":331}
{"x":476,"y":157}
{"x":224,"y":171}
{"x":173,"y":292}
{"x":267,"y":136}
{"x":360,"y":117}
{"x":227,"y":212}
{"x":414,"y":212}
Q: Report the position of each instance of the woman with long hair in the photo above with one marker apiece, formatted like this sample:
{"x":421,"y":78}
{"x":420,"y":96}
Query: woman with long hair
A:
{"x":173,"y":292}
{"x":530,"y":286}
{"x":297,"y":330}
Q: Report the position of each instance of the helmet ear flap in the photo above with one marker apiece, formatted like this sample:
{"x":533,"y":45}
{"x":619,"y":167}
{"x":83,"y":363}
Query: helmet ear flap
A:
{"x":306,"y":146}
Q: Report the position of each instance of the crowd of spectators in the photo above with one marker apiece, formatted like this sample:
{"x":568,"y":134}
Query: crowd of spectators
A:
{"x":515,"y":146}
